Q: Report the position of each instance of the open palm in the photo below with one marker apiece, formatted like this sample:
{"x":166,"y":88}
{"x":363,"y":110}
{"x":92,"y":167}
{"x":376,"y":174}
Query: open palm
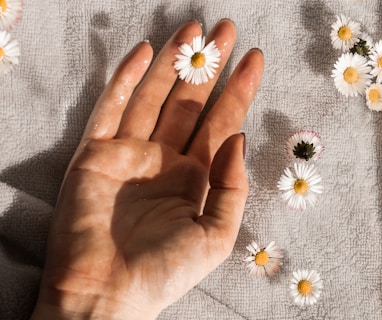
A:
{"x":140,"y":219}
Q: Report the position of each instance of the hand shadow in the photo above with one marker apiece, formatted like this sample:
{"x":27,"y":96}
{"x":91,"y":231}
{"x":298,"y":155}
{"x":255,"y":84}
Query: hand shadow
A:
{"x":38,"y":180}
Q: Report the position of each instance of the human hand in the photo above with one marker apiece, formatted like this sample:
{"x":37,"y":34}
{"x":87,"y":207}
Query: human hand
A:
{"x":139,"y":221}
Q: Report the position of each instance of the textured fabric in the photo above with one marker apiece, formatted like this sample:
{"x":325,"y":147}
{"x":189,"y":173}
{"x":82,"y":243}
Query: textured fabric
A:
{"x":70,"y":49}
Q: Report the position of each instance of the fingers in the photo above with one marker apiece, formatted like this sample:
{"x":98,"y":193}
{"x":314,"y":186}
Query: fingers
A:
{"x":106,"y":116}
{"x":142,"y":112}
{"x":227,"y":196}
{"x":182,"y":108}
{"x":227,"y":115}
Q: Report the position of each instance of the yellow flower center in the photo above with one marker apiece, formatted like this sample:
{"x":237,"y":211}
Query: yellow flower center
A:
{"x":300,"y":186}
{"x":198,"y":60}
{"x":344,"y":33}
{"x":304,"y":287}
{"x":373,"y":95}
{"x":1,"y":53}
{"x":350,"y":75}
{"x":380,"y":62}
{"x":261,"y":258}
{"x":3,"y":5}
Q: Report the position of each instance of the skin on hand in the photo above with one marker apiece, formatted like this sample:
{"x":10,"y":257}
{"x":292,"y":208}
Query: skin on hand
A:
{"x":139,"y":222}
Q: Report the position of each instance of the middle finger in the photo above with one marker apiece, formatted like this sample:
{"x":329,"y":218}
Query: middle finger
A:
{"x":183,"y":106}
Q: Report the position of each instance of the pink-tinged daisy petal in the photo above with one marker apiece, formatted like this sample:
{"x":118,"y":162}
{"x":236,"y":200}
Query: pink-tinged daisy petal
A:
{"x":11,"y":12}
{"x":305,"y":145}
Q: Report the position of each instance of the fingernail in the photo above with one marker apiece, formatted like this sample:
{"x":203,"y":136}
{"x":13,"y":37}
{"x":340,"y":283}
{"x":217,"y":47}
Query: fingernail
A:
{"x":258,"y":49}
{"x":227,"y":19}
{"x":146,"y":41}
{"x":197,"y":21}
{"x":244,"y":144}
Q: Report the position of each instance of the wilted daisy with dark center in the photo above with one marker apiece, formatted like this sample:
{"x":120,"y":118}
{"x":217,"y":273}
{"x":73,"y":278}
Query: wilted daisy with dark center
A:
{"x":364,"y":45}
{"x":305,"y":145}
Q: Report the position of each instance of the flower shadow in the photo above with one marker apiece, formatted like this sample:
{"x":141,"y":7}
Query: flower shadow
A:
{"x":317,"y":19}
{"x":269,"y":161}
{"x":167,"y":23}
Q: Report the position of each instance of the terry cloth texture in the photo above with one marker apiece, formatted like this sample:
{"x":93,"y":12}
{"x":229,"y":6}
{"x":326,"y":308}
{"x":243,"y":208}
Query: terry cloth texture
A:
{"x":70,"y":49}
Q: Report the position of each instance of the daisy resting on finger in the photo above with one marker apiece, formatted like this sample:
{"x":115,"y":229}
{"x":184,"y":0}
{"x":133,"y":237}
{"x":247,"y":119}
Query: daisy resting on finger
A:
{"x":197,"y":63}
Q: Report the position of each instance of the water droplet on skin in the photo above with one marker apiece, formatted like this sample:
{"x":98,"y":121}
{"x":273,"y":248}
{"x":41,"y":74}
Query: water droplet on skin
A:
{"x":223,"y":49}
{"x":145,"y":153}
{"x":121,"y":100}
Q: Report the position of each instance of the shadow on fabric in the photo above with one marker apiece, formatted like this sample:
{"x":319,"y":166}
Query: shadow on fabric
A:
{"x":40,"y":177}
{"x":319,"y":50}
{"x":269,"y":166}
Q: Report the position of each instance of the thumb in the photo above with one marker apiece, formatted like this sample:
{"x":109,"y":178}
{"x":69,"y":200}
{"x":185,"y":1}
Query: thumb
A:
{"x":227,"y":195}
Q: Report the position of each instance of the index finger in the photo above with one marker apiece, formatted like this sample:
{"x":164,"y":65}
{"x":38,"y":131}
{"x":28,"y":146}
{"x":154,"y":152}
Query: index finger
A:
{"x":107,"y":113}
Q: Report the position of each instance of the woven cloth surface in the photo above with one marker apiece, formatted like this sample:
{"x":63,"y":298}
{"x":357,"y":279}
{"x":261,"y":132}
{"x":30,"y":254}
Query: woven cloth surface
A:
{"x":69,"y":51}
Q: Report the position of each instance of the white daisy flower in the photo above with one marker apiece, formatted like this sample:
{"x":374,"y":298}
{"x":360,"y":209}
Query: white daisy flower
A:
{"x":374,"y":97}
{"x":345,"y":33}
{"x":198,"y":62}
{"x":264,"y":261}
{"x":376,"y":61}
{"x":300,"y":187}
{"x":10,"y":13}
{"x":306,"y":286}
{"x":9,"y":52}
{"x":351,"y":74}
{"x":305,"y":144}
